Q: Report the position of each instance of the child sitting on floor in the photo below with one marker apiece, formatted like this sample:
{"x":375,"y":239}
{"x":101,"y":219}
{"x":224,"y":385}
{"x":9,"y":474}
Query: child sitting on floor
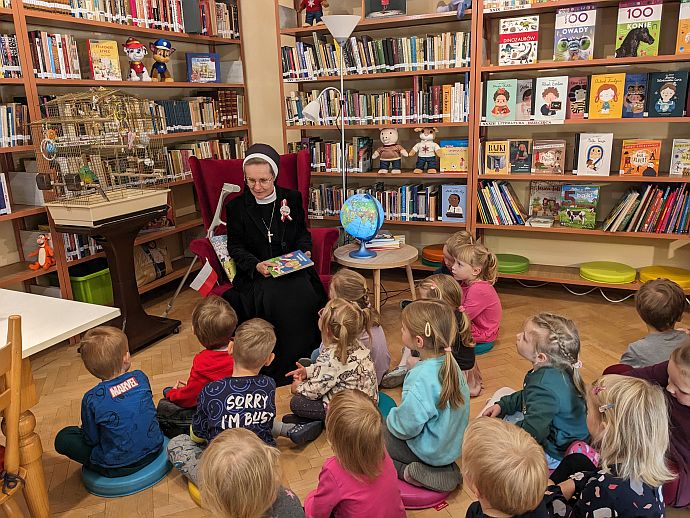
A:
{"x":505,"y":468}
{"x":119,"y":433}
{"x":360,"y":480}
{"x":456,"y":240}
{"x":344,"y":364}
{"x":551,"y":405}
{"x":424,"y":434}
{"x":660,"y":304}
{"x":628,"y":421}
{"x":240,"y":477}
{"x":350,"y":285}
{"x":213,"y":322}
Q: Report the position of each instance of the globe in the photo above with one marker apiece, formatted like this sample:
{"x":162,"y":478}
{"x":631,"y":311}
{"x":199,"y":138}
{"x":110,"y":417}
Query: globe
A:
{"x":362,"y":217}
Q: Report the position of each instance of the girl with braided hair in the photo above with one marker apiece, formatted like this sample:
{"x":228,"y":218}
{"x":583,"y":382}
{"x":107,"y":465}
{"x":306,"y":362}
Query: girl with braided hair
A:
{"x":551,"y":405}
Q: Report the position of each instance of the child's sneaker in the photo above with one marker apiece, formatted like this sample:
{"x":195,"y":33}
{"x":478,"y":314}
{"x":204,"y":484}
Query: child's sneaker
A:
{"x":395,"y":377}
{"x":304,"y":433}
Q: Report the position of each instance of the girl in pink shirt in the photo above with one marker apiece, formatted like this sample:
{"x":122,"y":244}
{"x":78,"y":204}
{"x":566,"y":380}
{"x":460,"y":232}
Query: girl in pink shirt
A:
{"x":361,"y":479}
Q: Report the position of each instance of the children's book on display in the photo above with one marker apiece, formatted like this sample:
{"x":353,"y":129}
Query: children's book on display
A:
{"x":548,"y":156}
{"x":550,"y":98}
{"x":634,"y":95}
{"x":518,"y":40}
{"x":497,"y":159}
{"x":680,"y":158}
{"x":577,"y":98}
{"x":574,"y":33}
{"x":667,"y":94}
{"x":638,"y":29}
{"x":520,"y":155}
{"x":453,"y":203}
{"x":606,"y":96}
{"x":594,"y":153}
{"x":500,"y":97}
{"x":579,"y":206}
{"x":640,"y":157}
{"x":524,"y":100}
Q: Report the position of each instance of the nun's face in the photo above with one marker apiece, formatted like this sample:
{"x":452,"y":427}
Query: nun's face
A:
{"x":259,"y":178}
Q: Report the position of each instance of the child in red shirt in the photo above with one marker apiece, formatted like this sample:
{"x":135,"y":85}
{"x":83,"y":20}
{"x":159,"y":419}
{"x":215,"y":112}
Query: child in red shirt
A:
{"x":214,"y":322}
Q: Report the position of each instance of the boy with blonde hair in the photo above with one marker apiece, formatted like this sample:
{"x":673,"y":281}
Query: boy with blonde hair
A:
{"x":506,"y":469}
{"x":450,"y":247}
{"x":119,"y":433}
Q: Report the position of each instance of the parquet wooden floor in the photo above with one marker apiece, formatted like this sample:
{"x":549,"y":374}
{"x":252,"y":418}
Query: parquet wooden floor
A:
{"x":61,"y":379}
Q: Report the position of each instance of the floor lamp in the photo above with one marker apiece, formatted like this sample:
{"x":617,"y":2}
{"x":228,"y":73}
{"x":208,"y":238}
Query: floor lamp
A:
{"x":340,"y":26}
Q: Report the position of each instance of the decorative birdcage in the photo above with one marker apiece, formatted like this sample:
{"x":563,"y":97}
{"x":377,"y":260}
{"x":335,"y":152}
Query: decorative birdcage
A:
{"x":99,"y":157}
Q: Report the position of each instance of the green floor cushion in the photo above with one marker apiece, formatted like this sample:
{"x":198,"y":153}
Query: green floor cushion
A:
{"x":511,"y":263}
{"x":608,"y":272}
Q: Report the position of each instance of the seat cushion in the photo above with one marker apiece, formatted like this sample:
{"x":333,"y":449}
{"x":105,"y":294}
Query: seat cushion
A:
{"x":483,"y":348}
{"x":680,"y":276}
{"x":433,"y":253}
{"x":414,"y":497}
{"x":145,"y":478}
{"x":608,"y":272}
{"x":385,"y":404}
{"x":194,"y":493}
{"x":511,"y":263}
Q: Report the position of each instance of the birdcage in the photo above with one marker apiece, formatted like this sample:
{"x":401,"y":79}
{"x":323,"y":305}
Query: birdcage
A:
{"x":100,"y":158}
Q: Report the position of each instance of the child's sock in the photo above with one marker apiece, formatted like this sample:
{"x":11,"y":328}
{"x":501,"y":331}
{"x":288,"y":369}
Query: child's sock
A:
{"x":442,"y":478}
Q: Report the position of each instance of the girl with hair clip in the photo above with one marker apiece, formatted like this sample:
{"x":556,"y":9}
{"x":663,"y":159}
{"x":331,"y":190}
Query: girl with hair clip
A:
{"x":344,"y":364}
{"x":350,"y":285}
{"x":628,"y":420}
{"x":424,"y":434}
{"x":551,"y":405}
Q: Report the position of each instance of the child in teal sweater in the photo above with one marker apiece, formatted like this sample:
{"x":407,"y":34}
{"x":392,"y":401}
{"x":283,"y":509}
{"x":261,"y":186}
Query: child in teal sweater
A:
{"x":424,"y":434}
{"x":551,"y":405}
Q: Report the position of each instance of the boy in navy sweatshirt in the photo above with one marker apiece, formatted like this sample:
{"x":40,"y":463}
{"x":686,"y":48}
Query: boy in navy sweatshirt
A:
{"x":119,"y":432}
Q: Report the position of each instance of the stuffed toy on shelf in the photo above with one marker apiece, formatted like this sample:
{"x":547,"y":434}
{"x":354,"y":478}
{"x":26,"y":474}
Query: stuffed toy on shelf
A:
{"x":161,"y":50}
{"x":136,"y":51}
{"x":390,"y":153}
{"x":45,"y":257}
{"x":458,"y":6}
{"x":314,"y":11}
{"x":426,"y":150}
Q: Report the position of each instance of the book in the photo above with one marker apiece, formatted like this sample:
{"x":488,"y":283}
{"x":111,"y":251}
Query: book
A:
{"x":680,"y":158}
{"x":683,"y":36}
{"x":288,"y":263}
{"x":640,"y":157}
{"x":548,"y":156}
{"x":5,"y":207}
{"x":574,"y":33}
{"x":544,"y":199}
{"x":540,"y":221}
{"x":453,"y":203}
{"x":499,"y":205}
{"x":497,"y":158}
{"x":634,"y":95}
{"x":520,"y":154}
{"x":524,"y":105}
{"x":577,"y":98}
{"x":667,"y":94}
{"x":638,"y":28}
{"x":500,"y":99}
{"x":621,"y":210}
{"x":203,"y":67}
{"x":518,"y":40}
{"x":594,"y":153}
{"x":551,"y":97}
{"x":606,"y":96}
{"x":578,"y":206}
{"x":104,"y":60}
{"x":453,"y":155}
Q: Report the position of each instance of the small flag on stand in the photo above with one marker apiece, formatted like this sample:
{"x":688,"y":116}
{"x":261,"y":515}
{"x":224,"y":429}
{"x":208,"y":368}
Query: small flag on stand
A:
{"x":205,"y":280}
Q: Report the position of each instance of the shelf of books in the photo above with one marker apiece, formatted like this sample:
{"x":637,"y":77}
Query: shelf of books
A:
{"x":57,"y":47}
{"x":615,"y":191}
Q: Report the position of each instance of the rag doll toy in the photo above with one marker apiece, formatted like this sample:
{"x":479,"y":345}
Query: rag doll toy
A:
{"x":314,"y":11}
{"x":390,"y":153}
{"x":458,"y":6}
{"x":426,"y":150}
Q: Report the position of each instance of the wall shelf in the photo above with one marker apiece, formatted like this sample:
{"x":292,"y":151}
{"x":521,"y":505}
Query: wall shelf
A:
{"x":133,"y":84}
{"x":22,"y":211}
{"x":319,"y":127}
{"x":381,"y":75}
{"x":545,"y":66}
{"x":571,"y":178}
{"x":556,"y":229}
{"x":406,"y":174}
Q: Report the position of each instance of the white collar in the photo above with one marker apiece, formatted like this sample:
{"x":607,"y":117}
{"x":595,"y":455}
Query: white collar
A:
{"x":268,"y":199}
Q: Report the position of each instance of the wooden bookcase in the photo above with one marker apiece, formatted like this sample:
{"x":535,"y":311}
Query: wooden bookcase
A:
{"x":549,"y":249}
{"x":20,"y":19}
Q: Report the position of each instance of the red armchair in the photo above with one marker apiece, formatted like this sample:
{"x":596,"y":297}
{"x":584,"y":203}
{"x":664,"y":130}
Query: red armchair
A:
{"x":295,"y":173}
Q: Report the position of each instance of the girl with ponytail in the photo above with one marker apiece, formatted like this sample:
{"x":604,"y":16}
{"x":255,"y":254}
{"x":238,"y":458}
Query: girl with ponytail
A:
{"x":424,"y":434}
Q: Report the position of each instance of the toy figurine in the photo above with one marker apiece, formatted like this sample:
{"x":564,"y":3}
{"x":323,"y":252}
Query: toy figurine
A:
{"x":45,"y":257}
{"x":161,"y":50}
{"x":458,"y":6}
{"x":314,"y":11}
{"x":390,"y":152}
{"x":136,"y":51}
{"x":427,"y":151}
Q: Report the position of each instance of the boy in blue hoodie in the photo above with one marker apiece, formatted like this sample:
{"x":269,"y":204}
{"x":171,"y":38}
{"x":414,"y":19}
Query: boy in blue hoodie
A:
{"x":119,"y":433}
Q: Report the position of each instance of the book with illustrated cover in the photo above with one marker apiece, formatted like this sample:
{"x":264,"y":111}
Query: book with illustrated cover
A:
{"x":524,"y":101}
{"x":520,"y":153}
{"x":640,"y":157}
{"x":500,"y":99}
{"x":497,"y":159}
{"x":634,"y":95}
{"x":104,"y":60}
{"x":667,"y":94}
{"x":288,"y":263}
{"x":453,"y":155}
{"x":606,"y":96}
{"x":574,"y":33}
{"x":579,"y":206}
{"x":548,"y":156}
{"x":453,"y":203}
{"x":639,"y":25}
{"x":680,"y":158}
{"x":544,"y":199}
{"x":518,"y":40}
{"x":594,"y":153}
{"x":577,"y":98}
{"x":550,"y":98}
{"x":683,"y":36}
{"x":203,"y":67}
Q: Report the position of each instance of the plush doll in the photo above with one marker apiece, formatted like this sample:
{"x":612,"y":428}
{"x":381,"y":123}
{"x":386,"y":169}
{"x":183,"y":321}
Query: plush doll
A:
{"x":136,"y":51}
{"x":390,"y":152}
{"x":314,"y":11}
{"x":161,"y":50}
{"x":458,"y":6}
{"x":45,"y":257}
{"x":426,"y":150}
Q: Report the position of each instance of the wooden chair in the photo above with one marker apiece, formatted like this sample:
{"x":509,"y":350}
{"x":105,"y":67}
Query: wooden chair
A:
{"x":12,"y":477}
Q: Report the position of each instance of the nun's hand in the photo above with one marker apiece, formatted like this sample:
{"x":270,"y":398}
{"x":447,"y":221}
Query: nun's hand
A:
{"x":308,"y":253}
{"x":264,"y":269}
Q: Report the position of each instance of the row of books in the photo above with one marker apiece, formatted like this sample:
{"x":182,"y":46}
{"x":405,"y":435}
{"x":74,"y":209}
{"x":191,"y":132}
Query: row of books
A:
{"x":14,"y":125}
{"x":657,"y":209}
{"x":226,"y":149}
{"x":56,"y":56}
{"x":198,"y":113}
{"x":385,"y":241}
{"x":78,"y":246}
{"x":506,"y":5}
{"x":326,"y":156}
{"x":365,"y":55}
{"x":600,"y":96}
{"x":425,"y":103}
{"x":209,"y":17}
{"x":9,"y":57}
{"x":499,"y":205}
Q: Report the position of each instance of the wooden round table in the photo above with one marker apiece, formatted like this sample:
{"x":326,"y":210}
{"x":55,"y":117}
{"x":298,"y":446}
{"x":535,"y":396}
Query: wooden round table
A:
{"x":403,"y":256}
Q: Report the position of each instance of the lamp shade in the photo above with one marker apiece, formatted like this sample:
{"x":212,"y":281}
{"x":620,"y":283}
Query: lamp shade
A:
{"x":311,"y":111}
{"x":341,"y":25}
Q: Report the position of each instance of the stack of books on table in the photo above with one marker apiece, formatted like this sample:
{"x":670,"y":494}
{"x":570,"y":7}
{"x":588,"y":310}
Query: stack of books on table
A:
{"x":385,"y":241}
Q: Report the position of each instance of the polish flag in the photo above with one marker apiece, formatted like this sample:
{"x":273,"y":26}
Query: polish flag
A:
{"x":205,"y":280}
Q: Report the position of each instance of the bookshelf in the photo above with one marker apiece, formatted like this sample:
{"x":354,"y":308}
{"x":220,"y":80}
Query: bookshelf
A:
{"x":20,"y":19}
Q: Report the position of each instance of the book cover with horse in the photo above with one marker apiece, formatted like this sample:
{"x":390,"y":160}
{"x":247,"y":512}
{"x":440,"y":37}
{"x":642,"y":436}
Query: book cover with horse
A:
{"x":639,"y":24}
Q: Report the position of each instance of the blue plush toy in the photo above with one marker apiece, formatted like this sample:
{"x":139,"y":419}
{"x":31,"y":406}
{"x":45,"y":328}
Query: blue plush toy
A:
{"x":455,"y":5}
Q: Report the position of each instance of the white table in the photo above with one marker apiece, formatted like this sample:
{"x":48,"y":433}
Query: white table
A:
{"x":46,"y":321}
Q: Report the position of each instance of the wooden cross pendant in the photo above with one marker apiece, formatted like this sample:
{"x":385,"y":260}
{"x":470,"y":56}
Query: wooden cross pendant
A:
{"x":270,"y":235}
